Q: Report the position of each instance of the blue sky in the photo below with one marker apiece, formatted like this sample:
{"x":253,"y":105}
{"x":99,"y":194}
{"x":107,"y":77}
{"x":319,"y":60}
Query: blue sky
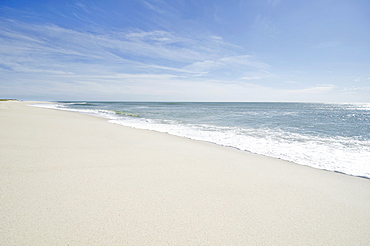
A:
{"x":185,"y":50}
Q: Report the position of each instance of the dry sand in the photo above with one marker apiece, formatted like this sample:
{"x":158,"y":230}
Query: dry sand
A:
{"x":72,"y":179}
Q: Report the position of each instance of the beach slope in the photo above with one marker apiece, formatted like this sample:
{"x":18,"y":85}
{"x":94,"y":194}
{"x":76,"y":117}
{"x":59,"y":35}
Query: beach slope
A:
{"x":73,"y":179}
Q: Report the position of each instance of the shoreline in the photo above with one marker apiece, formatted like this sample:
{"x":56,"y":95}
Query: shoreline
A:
{"x":74,"y":178}
{"x":285,"y":158}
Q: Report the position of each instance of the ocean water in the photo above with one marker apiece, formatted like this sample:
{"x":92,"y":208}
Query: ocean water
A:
{"x":328,"y":136}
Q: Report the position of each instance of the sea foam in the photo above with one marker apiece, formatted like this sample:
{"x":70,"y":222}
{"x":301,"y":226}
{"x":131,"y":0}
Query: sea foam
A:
{"x":333,"y":137}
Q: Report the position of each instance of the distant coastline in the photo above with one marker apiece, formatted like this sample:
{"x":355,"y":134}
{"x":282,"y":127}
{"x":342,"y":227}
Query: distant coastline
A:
{"x":6,"y":99}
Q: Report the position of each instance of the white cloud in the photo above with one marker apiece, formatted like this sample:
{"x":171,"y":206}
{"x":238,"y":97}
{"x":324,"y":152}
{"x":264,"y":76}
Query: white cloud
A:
{"x":172,"y":69}
{"x":356,"y":89}
{"x":31,"y":45}
{"x":53,"y":60}
{"x":266,"y":26}
{"x":319,"y":89}
{"x":32,"y":48}
{"x":251,"y":78}
{"x":241,"y":63}
{"x":130,"y":65}
{"x":161,"y":36}
{"x":154,"y":44}
{"x":155,"y":7}
{"x":273,"y":3}
{"x":292,"y":82}
{"x":137,"y":76}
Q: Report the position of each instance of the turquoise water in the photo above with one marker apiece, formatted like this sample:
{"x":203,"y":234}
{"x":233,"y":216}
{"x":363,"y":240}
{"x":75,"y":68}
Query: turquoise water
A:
{"x":333,"y":137}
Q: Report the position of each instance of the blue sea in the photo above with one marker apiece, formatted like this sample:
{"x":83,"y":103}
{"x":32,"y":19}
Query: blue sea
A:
{"x":328,"y":136}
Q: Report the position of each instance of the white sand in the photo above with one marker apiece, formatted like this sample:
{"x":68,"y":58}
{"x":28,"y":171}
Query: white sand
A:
{"x":72,"y":179}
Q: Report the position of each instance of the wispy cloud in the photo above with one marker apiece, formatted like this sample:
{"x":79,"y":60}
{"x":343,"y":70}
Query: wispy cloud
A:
{"x":232,"y":66}
{"x":55,"y":41}
{"x":26,"y":47}
{"x":266,"y":26}
{"x":319,"y":89}
{"x":273,"y":3}
{"x":155,"y":7}
{"x":114,"y":60}
{"x":178,"y":49}
{"x":356,"y":88}
{"x":251,"y":78}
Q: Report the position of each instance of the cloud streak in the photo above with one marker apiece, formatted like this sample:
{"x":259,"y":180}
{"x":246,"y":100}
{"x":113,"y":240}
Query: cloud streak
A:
{"x":180,"y":50}
{"x":38,"y":52}
{"x":59,"y":43}
{"x":319,"y":89}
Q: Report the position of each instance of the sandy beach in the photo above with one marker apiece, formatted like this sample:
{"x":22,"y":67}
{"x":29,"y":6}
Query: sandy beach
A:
{"x":73,"y":179}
